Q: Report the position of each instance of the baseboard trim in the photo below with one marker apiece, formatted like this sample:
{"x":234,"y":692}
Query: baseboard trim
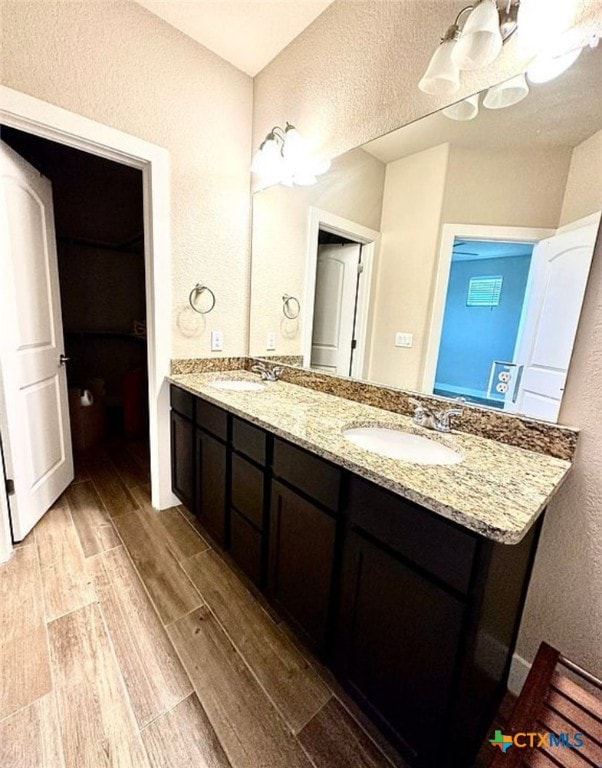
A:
{"x":519,"y":669}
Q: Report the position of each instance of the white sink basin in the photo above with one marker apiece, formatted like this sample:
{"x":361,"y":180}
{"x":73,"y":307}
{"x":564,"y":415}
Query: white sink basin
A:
{"x":401,"y":445}
{"x":238,"y":385}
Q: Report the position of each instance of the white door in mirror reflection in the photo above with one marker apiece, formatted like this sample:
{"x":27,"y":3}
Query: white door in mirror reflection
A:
{"x":335,"y":307}
{"x":559,"y":270}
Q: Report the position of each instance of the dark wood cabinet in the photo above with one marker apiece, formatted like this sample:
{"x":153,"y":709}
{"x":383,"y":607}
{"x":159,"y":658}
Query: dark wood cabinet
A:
{"x":182,"y":459}
{"x":398,"y":636}
{"x":246,"y":546}
{"x":211,"y":483}
{"x":417,"y":616}
{"x":302,"y":543}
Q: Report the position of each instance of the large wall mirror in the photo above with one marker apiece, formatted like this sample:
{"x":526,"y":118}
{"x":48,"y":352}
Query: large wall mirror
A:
{"x":449,"y":257}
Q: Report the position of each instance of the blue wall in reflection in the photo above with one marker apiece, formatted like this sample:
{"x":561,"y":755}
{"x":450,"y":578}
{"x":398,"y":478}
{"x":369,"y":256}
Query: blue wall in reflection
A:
{"x":473,"y":337}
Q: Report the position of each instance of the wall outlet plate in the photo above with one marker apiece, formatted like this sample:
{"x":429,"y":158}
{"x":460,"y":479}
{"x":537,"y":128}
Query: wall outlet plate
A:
{"x":270,"y":343}
{"x":404,"y":339}
{"x":217,"y":341}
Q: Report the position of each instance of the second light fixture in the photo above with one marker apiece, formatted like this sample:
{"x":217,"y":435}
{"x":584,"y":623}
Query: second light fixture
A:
{"x":285,"y":158}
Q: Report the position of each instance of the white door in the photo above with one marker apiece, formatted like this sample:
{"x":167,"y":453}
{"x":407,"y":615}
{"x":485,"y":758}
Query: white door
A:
{"x":34,"y":414}
{"x":334,"y":307}
{"x":559,"y":270}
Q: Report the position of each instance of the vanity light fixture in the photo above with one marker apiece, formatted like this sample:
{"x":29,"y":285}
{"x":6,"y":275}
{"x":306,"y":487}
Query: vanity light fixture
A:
{"x":284,"y":158}
{"x":487,"y":27}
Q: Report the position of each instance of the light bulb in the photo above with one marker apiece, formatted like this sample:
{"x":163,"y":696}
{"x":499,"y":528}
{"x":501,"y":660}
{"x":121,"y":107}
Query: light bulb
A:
{"x":547,"y":66}
{"x":481,"y":40}
{"x":540,"y":21}
{"x":267,"y":161}
{"x":442,"y":76}
{"x":295,"y":147}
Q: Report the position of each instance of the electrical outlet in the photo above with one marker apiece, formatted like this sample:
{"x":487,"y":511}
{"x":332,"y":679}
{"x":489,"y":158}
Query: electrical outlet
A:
{"x":217,"y":341}
{"x":270,"y":343}
{"x":404,"y":339}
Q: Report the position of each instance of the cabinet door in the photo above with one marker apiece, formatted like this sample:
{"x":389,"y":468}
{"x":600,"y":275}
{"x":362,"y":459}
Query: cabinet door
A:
{"x":397,"y":640}
{"x":182,"y":459}
{"x":245,"y":546}
{"x":211,"y":461}
{"x":301,"y":560}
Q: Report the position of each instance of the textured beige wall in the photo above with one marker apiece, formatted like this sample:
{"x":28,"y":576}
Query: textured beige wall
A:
{"x":351,"y":77}
{"x":518,"y":188}
{"x":118,"y":64}
{"x":584,"y":189}
{"x":413,"y":199}
{"x":564,"y":605}
{"x":353,"y":189}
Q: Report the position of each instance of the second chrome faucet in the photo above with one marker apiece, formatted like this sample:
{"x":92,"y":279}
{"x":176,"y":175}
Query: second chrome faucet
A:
{"x":431,"y":419}
{"x":267,"y":373}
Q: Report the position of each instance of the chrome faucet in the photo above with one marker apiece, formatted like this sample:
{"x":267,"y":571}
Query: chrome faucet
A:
{"x":430,"y":419}
{"x":266,"y":373}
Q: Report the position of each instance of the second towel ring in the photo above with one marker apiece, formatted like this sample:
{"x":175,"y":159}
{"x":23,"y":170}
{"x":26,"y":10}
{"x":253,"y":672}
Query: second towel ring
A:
{"x":198,"y":291}
{"x":290,"y":313}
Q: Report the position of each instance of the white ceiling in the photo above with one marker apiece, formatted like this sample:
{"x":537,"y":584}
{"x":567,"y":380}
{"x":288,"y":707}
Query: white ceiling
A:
{"x":247,"y":33}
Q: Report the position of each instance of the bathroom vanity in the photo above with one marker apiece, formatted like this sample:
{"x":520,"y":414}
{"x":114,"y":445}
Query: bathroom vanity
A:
{"x":407,"y":580}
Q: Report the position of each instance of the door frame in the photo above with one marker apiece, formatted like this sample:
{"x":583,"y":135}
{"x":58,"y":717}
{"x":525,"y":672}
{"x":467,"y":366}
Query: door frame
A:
{"x":369,"y":239}
{"x":449,"y":232}
{"x":27,"y":113}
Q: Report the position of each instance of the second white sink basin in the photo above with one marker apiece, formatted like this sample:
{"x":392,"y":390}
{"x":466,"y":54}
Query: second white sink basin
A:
{"x":238,"y":385}
{"x":401,"y":445}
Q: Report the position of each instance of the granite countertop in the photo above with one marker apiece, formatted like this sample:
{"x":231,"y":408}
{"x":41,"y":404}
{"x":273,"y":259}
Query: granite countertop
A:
{"x":497,"y":490}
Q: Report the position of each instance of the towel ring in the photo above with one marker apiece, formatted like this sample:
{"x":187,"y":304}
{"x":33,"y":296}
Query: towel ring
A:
{"x":291,"y":314}
{"x":196,"y":292}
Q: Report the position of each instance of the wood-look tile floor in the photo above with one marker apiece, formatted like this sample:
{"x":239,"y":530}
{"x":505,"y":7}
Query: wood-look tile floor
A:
{"x":127,"y":640}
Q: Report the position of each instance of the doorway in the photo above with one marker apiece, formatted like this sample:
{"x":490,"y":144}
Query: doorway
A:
{"x":99,"y":228}
{"x":338,"y":290}
{"x":484,"y":306}
{"x":540,"y":336}
{"x":48,"y":121}
{"x":338,"y":275}
{"x":97,"y":211}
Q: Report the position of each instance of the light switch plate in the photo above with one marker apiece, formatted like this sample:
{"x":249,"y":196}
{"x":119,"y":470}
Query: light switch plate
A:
{"x":270,"y":343}
{"x":217,"y":341}
{"x":404,"y":339}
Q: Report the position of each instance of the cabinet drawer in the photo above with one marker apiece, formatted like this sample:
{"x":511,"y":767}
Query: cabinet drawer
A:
{"x":245,"y":546}
{"x":212,"y":419}
{"x":431,"y":543}
{"x":182,"y":401}
{"x":247,"y":489}
{"x":249,"y":440}
{"x":316,"y":477}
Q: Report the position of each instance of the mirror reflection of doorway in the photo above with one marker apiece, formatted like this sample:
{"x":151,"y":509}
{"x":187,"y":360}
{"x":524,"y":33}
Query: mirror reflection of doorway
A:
{"x":510,"y":318}
{"x":482,"y":318}
{"x":338,"y":273}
